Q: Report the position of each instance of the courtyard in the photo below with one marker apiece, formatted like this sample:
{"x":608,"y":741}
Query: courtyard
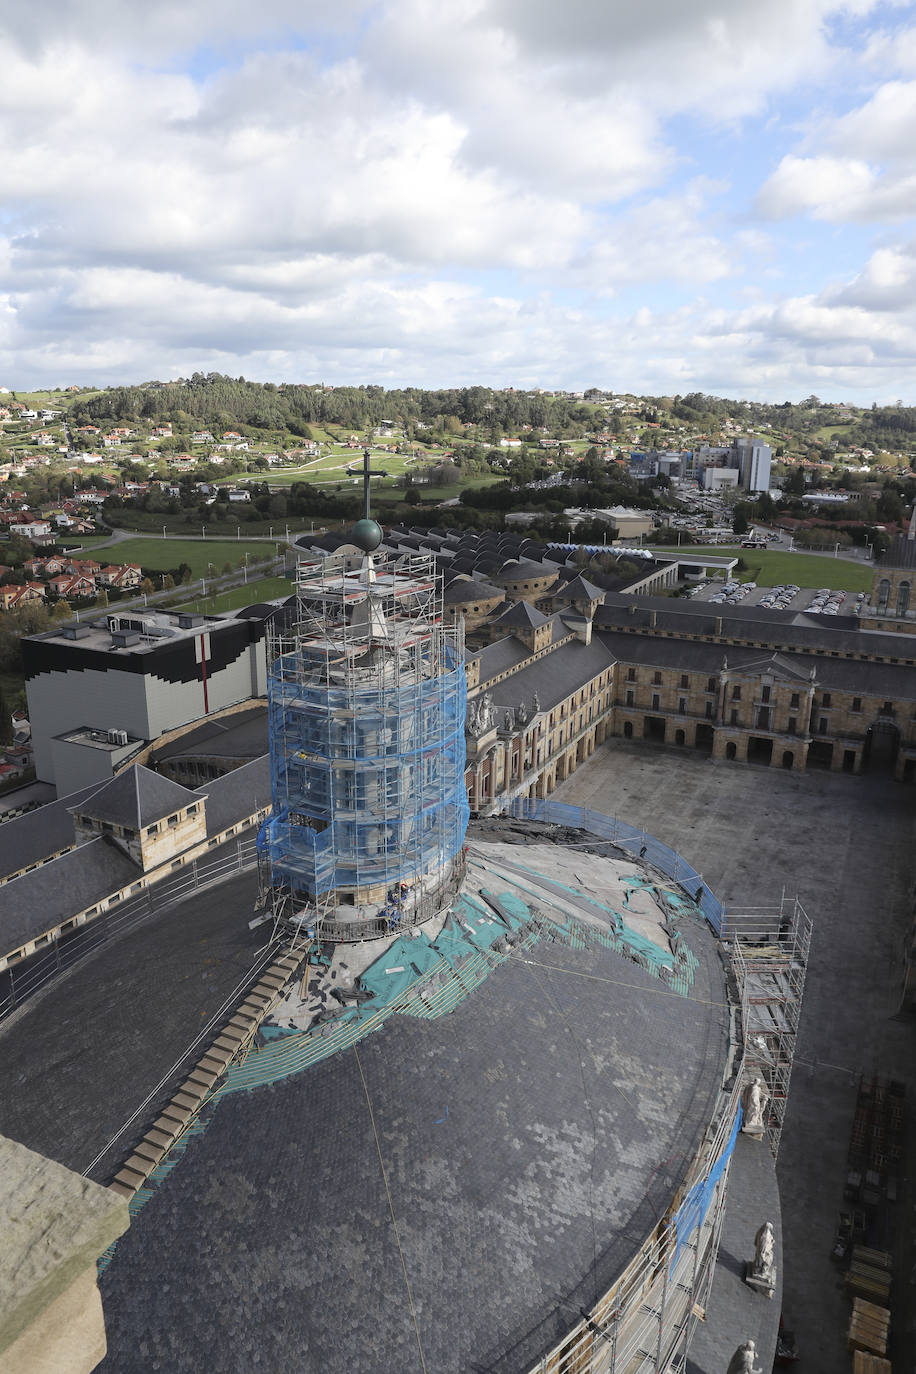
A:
{"x":845,"y":846}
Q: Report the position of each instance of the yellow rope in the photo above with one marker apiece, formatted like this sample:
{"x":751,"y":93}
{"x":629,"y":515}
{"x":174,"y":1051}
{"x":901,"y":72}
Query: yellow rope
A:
{"x":378,"y":1146}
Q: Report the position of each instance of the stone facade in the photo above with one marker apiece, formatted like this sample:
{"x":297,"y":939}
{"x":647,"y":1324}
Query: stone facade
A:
{"x":892,"y":604}
{"x":735,"y":701}
{"x":56,"y":1225}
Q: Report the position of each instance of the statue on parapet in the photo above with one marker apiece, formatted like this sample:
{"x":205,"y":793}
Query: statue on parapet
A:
{"x":742,"y":1362}
{"x":756,"y":1101}
{"x":761,"y":1272}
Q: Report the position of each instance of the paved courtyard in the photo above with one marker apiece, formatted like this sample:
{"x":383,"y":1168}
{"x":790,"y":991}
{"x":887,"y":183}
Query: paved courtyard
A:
{"x":846,"y":846}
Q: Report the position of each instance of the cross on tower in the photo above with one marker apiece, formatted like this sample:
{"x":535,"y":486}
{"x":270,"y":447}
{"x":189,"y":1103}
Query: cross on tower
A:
{"x":367,"y":474}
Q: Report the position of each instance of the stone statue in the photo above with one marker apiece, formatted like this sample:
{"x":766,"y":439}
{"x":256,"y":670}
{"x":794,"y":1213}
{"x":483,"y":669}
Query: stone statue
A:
{"x":742,"y":1362}
{"x":486,"y":716}
{"x":471,"y":723}
{"x":521,"y":714}
{"x":761,"y":1272}
{"x":756,"y":1100}
{"x":535,"y":704}
{"x":507,"y":722}
{"x":765,"y":1248}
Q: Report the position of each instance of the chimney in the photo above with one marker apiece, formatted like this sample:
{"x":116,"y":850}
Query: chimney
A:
{"x":718,"y":624}
{"x":653,"y":618}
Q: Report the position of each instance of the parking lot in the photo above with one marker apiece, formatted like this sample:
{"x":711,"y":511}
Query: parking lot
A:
{"x":845,"y":845}
{"x":785,"y":597}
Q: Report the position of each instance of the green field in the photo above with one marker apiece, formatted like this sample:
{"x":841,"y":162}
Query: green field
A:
{"x":264,"y":589}
{"x":834,"y":431}
{"x":804,"y":569}
{"x":198,"y":553}
{"x":52,"y":400}
{"x":329,"y":465}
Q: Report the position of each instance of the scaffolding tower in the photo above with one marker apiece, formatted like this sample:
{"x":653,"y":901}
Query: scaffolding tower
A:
{"x":770,"y":947}
{"x":366,"y":707}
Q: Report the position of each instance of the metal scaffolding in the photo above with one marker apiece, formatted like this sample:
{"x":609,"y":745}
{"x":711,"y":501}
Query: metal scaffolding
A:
{"x":366,"y":707}
{"x":769,"y":948}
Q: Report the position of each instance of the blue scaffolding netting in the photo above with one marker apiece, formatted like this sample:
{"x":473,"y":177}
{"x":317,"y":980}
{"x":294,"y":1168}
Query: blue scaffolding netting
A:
{"x":367,"y":758}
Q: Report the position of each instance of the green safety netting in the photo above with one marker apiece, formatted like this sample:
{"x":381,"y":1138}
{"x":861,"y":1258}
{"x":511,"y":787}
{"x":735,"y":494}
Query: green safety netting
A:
{"x":516,"y":912}
{"x":478,"y":923}
{"x":455,"y":944}
{"x":403,"y":963}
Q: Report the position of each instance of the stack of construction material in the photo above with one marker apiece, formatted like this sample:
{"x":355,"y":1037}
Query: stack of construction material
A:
{"x":868,"y":1328}
{"x":869,"y":1273}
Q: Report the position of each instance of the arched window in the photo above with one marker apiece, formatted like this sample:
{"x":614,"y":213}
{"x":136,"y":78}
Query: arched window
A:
{"x":903,"y":598}
{"x":884,"y":591}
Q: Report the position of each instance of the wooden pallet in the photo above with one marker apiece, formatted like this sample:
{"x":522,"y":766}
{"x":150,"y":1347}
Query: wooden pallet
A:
{"x":873,"y":1284}
{"x":877,"y":1259}
{"x":868,"y":1328}
{"x":870,"y":1364}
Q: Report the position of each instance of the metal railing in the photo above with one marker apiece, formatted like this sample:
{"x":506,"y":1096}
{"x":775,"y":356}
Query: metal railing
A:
{"x":23,"y":980}
{"x":632,"y":840}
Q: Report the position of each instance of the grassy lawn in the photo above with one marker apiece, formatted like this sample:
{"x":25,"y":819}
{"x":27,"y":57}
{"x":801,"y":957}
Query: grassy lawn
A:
{"x":264,"y":589}
{"x":329,"y":464}
{"x":168,"y":553}
{"x":832,"y":431}
{"x":805,"y":570}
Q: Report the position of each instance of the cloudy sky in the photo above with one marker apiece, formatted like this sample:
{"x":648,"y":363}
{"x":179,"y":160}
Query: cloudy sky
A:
{"x":657,"y":196}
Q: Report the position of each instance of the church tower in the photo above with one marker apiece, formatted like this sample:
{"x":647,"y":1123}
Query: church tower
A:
{"x":367,"y":703}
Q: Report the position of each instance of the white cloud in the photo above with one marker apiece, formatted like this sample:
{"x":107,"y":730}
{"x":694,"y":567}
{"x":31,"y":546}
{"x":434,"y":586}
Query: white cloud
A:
{"x":416,"y":191}
{"x":827,"y":187}
{"x":860,"y":166}
{"x":882,"y":128}
{"x":154,"y":31}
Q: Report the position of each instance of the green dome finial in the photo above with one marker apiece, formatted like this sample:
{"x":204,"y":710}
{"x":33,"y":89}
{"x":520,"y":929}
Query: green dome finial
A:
{"x":366,"y":535}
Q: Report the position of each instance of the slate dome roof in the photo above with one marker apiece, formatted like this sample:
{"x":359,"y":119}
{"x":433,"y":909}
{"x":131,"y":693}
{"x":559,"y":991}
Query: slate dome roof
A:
{"x":469,"y":1172}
